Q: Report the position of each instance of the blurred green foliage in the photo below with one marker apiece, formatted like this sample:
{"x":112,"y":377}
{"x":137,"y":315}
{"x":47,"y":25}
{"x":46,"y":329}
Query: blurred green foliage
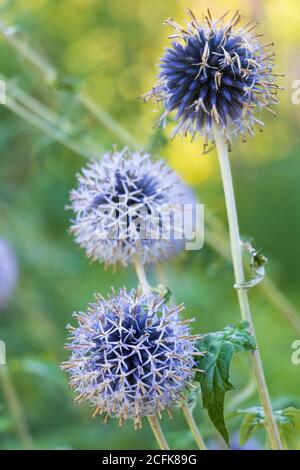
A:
{"x":110,"y":50}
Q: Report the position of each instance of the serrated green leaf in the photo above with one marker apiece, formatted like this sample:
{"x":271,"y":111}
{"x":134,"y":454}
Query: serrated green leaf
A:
{"x":215,"y":383}
{"x":239,"y":336}
{"x":294,"y":415}
{"x":288,"y":421}
{"x":252,"y":422}
{"x":219,"y":347}
{"x":248,"y":427}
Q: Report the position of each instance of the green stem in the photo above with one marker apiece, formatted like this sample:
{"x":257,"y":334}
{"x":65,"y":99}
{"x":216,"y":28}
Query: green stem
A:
{"x":46,"y":114}
{"x":53,"y":132}
{"x":109,"y":122}
{"x":50,"y":73}
{"x":158,"y":433}
{"x":16,"y":408}
{"x":278,"y":299}
{"x":281,"y":302}
{"x":236,"y":252}
{"x":141,"y":275}
{"x":28,"y":53}
{"x":145,"y":286}
{"x":193,"y":426}
{"x":154,"y":423}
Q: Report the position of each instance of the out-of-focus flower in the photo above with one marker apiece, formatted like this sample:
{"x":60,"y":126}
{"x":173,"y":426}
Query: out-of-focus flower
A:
{"x":215,"y":73}
{"x":126,"y":206}
{"x":252,"y":444}
{"x":8,"y":272}
{"x":131,"y":355}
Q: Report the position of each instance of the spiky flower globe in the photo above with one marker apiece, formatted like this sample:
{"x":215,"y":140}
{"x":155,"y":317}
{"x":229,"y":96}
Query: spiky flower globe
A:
{"x":215,"y":73}
{"x":131,"y":355}
{"x":124,"y":207}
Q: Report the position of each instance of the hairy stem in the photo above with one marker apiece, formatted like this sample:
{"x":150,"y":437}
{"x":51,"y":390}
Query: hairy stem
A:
{"x":141,"y":274}
{"x":193,"y":426}
{"x":158,"y":433}
{"x":15,"y":408}
{"x":154,"y":423}
{"x":236,"y":253}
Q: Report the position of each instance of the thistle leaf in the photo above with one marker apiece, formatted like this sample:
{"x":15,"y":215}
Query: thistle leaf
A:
{"x":288,"y":421}
{"x":219,"y":348}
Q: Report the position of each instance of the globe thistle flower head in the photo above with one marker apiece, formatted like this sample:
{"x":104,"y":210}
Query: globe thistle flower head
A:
{"x":215,"y":73}
{"x":119,"y":205}
{"x":131,"y":355}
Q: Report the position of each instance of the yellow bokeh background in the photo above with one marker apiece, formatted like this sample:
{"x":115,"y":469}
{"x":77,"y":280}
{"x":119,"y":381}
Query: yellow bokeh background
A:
{"x":108,"y":50}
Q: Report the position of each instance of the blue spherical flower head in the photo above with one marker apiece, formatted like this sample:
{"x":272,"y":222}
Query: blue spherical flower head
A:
{"x":215,"y":73}
{"x":126,"y":206}
{"x":131,"y":355}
